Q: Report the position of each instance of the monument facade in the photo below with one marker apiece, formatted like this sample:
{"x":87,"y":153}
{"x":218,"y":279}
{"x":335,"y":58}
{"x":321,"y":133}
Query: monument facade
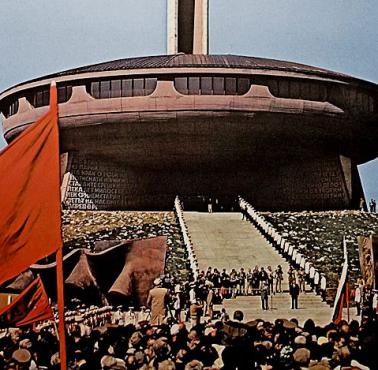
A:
{"x":137,"y":132}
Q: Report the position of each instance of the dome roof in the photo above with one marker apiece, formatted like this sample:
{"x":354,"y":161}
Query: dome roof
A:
{"x":200,"y":61}
{"x":178,"y":61}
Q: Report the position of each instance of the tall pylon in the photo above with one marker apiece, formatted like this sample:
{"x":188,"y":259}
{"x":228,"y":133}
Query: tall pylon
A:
{"x":188,"y":26}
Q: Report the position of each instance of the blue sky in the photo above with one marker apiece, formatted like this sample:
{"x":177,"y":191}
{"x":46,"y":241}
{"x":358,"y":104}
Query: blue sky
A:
{"x":44,"y":36}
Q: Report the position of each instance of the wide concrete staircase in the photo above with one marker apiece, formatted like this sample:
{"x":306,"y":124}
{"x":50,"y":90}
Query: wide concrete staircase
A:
{"x":224,"y":240}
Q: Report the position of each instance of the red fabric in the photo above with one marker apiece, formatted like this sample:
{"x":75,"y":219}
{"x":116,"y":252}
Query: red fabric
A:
{"x":347,"y":294}
{"x":342,"y":293}
{"x":30,"y":306}
{"x":30,"y":219}
{"x":340,"y":309}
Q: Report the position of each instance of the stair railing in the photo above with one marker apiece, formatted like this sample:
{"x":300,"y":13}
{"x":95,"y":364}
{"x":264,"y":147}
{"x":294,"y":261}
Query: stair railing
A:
{"x":284,"y":247}
{"x":193,"y":263}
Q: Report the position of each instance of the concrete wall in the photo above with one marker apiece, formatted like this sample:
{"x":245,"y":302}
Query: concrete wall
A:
{"x":317,"y":184}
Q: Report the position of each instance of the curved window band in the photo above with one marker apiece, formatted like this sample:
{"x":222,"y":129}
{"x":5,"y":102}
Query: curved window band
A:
{"x":345,"y":97}
{"x":41,"y":97}
{"x":212,"y":85}
{"x":121,"y":88}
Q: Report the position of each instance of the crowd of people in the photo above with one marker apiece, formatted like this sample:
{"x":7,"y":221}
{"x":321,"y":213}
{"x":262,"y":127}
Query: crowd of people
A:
{"x":251,"y":281}
{"x":115,"y":343}
{"x":179,"y":329}
{"x":257,"y":281}
{"x":372,"y":205}
{"x":213,"y":285}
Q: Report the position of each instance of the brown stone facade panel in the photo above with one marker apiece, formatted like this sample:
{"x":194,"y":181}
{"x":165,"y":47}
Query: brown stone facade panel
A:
{"x":317,"y":184}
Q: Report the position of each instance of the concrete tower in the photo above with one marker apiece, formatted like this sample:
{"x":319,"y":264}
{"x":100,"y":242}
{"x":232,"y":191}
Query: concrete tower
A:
{"x":187,"y":26}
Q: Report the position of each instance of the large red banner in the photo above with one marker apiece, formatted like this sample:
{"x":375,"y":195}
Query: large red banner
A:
{"x":30,"y":306}
{"x":30,"y":220}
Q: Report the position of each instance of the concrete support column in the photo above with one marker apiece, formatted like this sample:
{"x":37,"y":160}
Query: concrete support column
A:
{"x":201,"y":26}
{"x":172,"y":26}
{"x":187,"y":26}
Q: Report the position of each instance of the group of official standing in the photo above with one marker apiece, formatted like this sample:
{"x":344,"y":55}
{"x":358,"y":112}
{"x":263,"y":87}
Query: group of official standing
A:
{"x":295,"y":287}
{"x":197,"y":298}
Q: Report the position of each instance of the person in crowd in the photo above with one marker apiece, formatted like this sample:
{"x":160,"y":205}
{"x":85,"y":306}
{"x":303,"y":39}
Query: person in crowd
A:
{"x":225,"y":284}
{"x":192,"y":292}
{"x":291,"y":275}
{"x":210,"y":298}
{"x":195,"y":313}
{"x":278,"y":276}
{"x":210,"y":206}
{"x":264,"y":291}
{"x":362,"y":204}
{"x":255,"y":280}
{"x":243,"y":211}
{"x":372,"y":205}
{"x":270,"y":279}
{"x":248,"y":278}
{"x":358,"y":293}
{"x":234,"y":280}
{"x":216,"y":279}
{"x":157,"y":300}
{"x":177,"y":304}
{"x":263,"y":277}
{"x":237,"y":354}
{"x":241,"y":282}
{"x":167,"y":281}
{"x":224,"y":316}
{"x":294,"y":293}
{"x":209,"y":274}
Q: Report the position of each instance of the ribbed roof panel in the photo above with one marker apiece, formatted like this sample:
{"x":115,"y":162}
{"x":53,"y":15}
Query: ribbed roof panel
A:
{"x":200,"y":61}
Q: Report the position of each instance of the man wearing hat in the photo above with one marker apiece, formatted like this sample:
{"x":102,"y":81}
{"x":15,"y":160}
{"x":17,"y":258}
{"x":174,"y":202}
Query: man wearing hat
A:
{"x":157,"y":301}
{"x":23,"y":359}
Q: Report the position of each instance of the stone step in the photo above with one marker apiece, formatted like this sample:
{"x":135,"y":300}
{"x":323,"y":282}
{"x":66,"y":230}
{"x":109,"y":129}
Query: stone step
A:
{"x":307,"y":301}
{"x":224,"y":240}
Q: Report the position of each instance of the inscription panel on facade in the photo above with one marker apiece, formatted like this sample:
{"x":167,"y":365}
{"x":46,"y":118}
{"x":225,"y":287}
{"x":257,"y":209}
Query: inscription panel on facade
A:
{"x":316,"y":183}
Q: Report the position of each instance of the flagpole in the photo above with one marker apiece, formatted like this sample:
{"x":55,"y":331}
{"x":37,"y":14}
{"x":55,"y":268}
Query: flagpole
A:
{"x":347,"y":277}
{"x":60,"y":296}
{"x":347,"y":299}
{"x":59,"y":260}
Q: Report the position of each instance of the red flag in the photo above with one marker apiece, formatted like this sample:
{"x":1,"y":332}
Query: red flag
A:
{"x":30,"y":219}
{"x":30,"y":306}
